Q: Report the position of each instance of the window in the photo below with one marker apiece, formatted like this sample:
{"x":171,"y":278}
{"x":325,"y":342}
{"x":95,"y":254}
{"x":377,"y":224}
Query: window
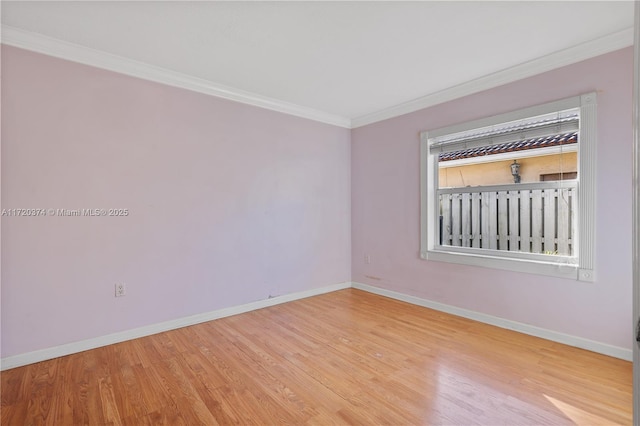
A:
{"x":514,"y":191}
{"x":558,"y":176}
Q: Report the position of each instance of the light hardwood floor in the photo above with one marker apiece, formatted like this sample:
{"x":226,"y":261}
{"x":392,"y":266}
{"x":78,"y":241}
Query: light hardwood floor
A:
{"x":347,"y":357}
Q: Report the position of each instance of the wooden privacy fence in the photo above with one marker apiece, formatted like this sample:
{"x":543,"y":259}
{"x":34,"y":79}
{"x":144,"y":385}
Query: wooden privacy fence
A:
{"x":529,"y":217}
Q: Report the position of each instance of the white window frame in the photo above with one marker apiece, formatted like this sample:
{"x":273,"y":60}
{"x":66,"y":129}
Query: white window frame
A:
{"x":584,"y":268}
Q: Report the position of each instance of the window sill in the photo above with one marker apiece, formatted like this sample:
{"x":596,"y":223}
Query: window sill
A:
{"x":560,"y":270}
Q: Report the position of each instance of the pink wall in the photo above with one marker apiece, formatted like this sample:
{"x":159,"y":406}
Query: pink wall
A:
{"x":386,"y":224}
{"x":231,"y":204}
{"x":228,"y":203}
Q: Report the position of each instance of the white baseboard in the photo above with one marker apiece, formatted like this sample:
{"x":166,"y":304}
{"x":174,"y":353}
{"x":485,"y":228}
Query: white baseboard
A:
{"x":578,"y":342}
{"x":75,"y":347}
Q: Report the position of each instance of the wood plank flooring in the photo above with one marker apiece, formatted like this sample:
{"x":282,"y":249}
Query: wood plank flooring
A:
{"x":347,"y":357}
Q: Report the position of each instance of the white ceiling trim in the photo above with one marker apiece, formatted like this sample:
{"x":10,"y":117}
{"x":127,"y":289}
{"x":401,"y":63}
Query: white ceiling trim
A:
{"x":73,"y":52}
{"x":549,"y":62}
{"x":54,"y":47}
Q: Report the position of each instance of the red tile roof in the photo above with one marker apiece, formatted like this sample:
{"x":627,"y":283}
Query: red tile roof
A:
{"x":545,"y":142}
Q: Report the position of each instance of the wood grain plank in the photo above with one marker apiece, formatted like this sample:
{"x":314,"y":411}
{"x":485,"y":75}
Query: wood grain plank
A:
{"x":347,"y":357}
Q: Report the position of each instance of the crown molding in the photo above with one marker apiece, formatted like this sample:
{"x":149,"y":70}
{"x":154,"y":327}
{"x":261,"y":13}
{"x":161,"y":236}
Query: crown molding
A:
{"x":549,"y":62}
{"x":28,"y":40}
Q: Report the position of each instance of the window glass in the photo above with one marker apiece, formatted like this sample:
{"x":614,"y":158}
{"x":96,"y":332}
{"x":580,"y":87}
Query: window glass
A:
{"x":505,"y":189}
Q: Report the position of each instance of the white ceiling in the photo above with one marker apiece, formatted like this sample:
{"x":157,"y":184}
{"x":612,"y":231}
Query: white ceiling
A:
{"x":348,"y":59}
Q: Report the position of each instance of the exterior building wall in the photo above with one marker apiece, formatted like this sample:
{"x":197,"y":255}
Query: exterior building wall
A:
{"x":499,"y":172}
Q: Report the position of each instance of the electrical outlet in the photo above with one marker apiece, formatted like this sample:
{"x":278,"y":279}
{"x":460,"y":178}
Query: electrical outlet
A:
{"x":367,"y":258}
{"x":121,"y":289}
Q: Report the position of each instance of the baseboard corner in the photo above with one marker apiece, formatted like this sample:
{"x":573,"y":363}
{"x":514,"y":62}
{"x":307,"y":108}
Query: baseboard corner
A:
{"x":555,"y":336}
